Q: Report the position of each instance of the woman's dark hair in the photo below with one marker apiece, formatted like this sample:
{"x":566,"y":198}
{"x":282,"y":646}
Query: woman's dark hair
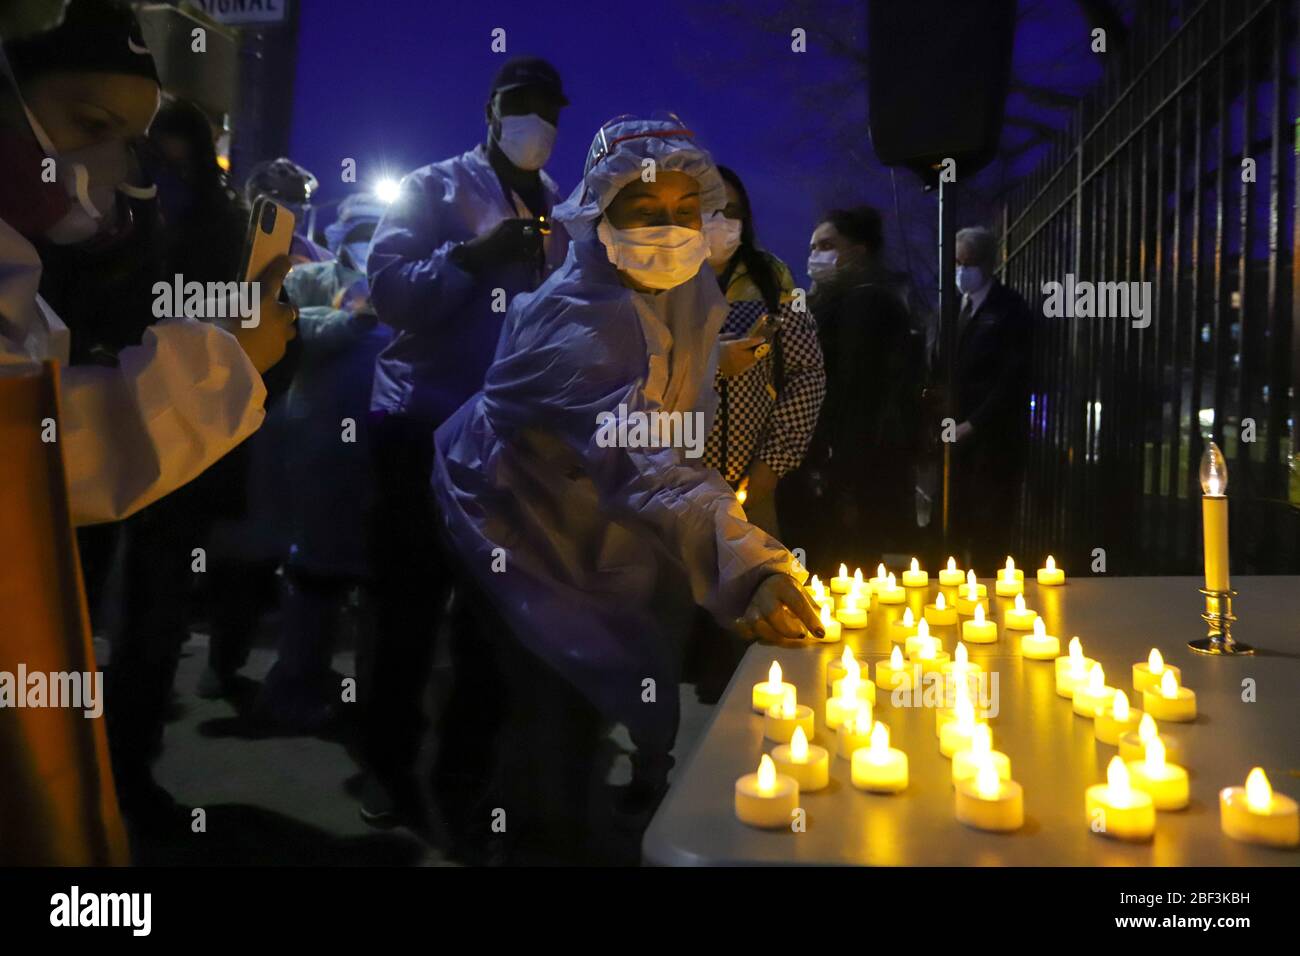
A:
{"x":860,"y":225}
{"x":758,"y":264}
{"x":187,"y":122}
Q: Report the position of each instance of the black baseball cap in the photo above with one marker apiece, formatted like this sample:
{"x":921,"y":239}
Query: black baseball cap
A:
{"x":529,"y":71}
{"x":96,"y":36}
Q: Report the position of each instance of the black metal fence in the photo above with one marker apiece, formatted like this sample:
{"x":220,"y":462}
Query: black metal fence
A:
{"x":1179,"y":171}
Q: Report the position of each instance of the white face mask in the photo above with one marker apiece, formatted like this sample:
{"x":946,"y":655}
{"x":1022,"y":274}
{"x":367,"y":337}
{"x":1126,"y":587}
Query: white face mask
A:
{"x":822,"y":264}
{"x":527,"y":141}
{"x":723,"y":238}
{"x":658,"y":257}
{"x":970,"y":279}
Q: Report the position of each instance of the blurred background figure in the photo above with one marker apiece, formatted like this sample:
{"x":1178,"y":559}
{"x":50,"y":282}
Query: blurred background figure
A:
{"x":290,"y":185}
{"x":854,"y":497}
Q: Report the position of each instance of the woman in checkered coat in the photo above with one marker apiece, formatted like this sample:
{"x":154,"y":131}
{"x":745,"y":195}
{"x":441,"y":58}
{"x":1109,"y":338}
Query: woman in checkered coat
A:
{"x":770,"y":386}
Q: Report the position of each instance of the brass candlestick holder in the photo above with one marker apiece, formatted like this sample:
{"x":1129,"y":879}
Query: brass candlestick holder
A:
{"x":1218,"y":617}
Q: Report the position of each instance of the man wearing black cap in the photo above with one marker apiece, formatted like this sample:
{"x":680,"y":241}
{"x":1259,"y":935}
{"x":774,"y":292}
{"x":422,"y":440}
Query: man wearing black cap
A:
{"x":464,"y":236}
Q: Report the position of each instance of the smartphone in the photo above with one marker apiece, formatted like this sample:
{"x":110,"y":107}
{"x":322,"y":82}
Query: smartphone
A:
{"x":766,"y":327}
{"x":270,"y":234}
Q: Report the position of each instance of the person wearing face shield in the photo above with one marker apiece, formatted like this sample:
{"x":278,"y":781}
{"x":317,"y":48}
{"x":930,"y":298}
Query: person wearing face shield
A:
{"x":70,"y":101}
{"x":594,"y":550}
{"x":460,"y":233}
{"x":291,"y":186}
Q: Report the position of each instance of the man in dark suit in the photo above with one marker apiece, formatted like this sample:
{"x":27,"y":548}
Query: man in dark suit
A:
{"x":992,"y":389}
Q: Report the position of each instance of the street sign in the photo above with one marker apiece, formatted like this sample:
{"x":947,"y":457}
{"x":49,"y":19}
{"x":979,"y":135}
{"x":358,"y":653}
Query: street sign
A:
{"x":241,"y":12}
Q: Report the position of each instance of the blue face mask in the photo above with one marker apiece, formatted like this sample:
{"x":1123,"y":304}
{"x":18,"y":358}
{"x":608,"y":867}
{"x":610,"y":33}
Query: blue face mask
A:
{"x":970,"y":279}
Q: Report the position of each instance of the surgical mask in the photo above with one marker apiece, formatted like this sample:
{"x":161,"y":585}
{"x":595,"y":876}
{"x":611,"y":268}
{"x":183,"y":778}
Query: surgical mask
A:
{"x":822,"y":264}
{"x":970,"y":279}
{"x":658,"y":257}
{"x":527,"y":141}
{"x":723,"y":238}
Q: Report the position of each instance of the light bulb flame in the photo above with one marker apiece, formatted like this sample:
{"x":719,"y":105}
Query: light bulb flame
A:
{"x":879,"y":738}
{"x":788,"y":704}
{"x":1155,"y":758}
{"x":916,"y":565}
{"x":952,"y":565}
{"x":1051,"y":563}
{"x":1147,"y":729}
{"x":1214,"y":471}
{"x":1117,"y":779}
{"x":1259,"y":793}
{"x":774,"y":674}
{"x":1169,"y":686}
{"x":766,"y":775}
{"x":1155,"y":663}
{"x":979,"y":613}
{"x":1119,"y":707}
{"x":896,"y":658}
{"x":987,"y":784}
{"x":799,"y":746}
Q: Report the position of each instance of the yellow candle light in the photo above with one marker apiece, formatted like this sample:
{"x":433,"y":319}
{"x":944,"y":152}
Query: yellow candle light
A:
{"x":1093,"y":695}
{"x":879,"y":768}
{"x":854,"y":733}
{"x":1255,"y":814}
{"x":814,"y":584}
{"x":1133,"y":745}
{"x":1051,"y":575}
{"x":911,"y":644}
{"x":766,"y":799}
{"x":951,"y":576}
{"x":889,"y":592}
{"x":1148,"y":674}
{"x":808,"y":764}
{"x":820,"y":596}
{"x":880,"y":577}
{"x":895,"y":672}
{"x":1039,"y":645}
{"x":842,"y":583}
{"x":1118,"y":811}
{"x":929,"y":655}
{"x":961,"y":667}
{"x":958,"y":692}
{"x":831,"y":628}
{"x":1072,"y":670}
{"x":966,"y":763}
{"x":987,"y":802}
{"x":781,"y":719}
{"x":1214,"y":515}
{"x":940,"y":613}
{"x":1019,"y":618}
{"x":866,"y":690}
{"x":846,"y":703}
{"x":837,"y":668}
{"x":1116,"y":720}
{"x":771,"y":691}
{"x":914,"y":577}
{"x":850,"y":614}
{"x":904,"y":628}
{"x":978,"y":630}
{"x":957,"y":733}
{"x":970,"y":594}
{"x":1010,"y":580}
{"x":1170,"y":701}
{"x":1165,"y":783}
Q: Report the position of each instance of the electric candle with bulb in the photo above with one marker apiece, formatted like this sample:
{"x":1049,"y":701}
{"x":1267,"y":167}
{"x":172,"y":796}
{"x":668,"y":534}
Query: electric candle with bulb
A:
{"x":1118,"y":811}
{"x":1133,"y":745}
{"x":842,"y":583}
{"x":1019,"y":618}
{"x":819,"y":595}
{"x":855,"y":733}
{"x":1165,"y":783}
{"x":865,"y":689}
{"x":881,"y":576}
{"x":1093,"y":694}
{"x":895,"y":672}
{"x":1116,"y":720}
{"x":766,"y":799}
{"x":771,"y":691}
{"x":940,"y":613}
{"x":1255,"y":814}
{"x":1039,"y":645}
{"x":914,"y":577}
{"x":781,"y":719}
{"x":970,"y":594}
{"x":889,"y":592}
{"x":832,"y":630}
{"x":951,"y":576}
{"x":850,"y":614}
{"x":1170,"y":701}
{"x":1148,"y":674}
{"x":878,"y":767}
{"x":961,"y":667}
{"x":930,"y":656}
{"x":922,"y":635}
{"x":837,"y":668}
{"x":1050,"y":575}
{"x":807,"y":764}
{"x":1010,"y":580}
{"x":960,"y":694}
{"x":1072,"y":669}
{"x":987,"y":802}
{"x":846,"y":703}
{"x":957,"y":733}
{"x":979,"y":630}
{"x":966,"y":763}
{"x":904,"y":628}
{"x":1214,"y":514}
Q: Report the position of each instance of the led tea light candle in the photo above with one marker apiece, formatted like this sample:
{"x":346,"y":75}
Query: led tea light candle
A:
{"x":880,"y":577}
{"x":771,"y":691}
{"x":904,"y":628}
{"x":842,"y":583}
{"x":1170,"y":701}
{"x":1010,"y":580}
{"x":911,"y":644}
{"x":1093,"y":694}
{"x":832,"y":629}
{"x":960,"y":692}
{"x":845,"y":704}
{"x":854,"y":733}
{"x":837,"y":668}
{"x":807,"y":764}
{"x":814,"y":584}
{"x":1039,"y":645}
{"x":987,"y":802}
{"x":895,"y":672}
{"x":889,"y":592}
{"x":850,"y":614}
{"x":957,"y":733}
{"x":914,"y":577}
{"x":1116,"y":810}
{"x":879,"y":768}
{"x":1019,"y":618}
{"x":961,"y":667}
{"x":951,"y":576}
{"x":1165,"y":783}
{"x":820,"y":596}
{"x":1116,"y":720}
{"x":940,"y":613}
{"x":781,"y":719}
{"x":966,"y":763}
{"x":1148,"y":674}
{"x":1255,"y":814}
{"x":1072,"y":669}
{"x":978,"y":630}
{"x":1051,"y":575}
{"x":970,"y":594}
{"x":766,"y":799}
{"x":866,"y":690}
{"x":1133,"y":745}
{"x":929,"y":656}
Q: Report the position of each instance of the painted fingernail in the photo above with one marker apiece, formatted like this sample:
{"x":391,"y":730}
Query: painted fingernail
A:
{"x":819,"y":632}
